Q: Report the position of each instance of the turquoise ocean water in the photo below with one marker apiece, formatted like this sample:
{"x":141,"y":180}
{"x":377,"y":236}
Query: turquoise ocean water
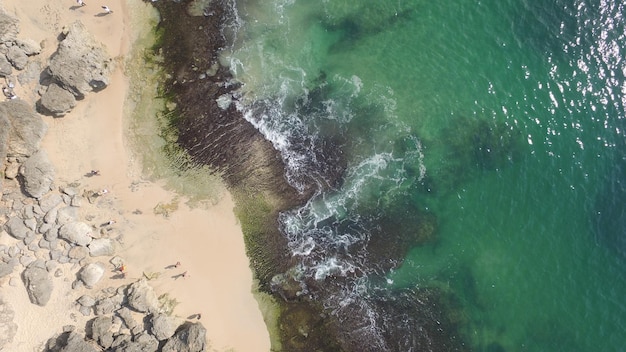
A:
{"x":502,"y":119}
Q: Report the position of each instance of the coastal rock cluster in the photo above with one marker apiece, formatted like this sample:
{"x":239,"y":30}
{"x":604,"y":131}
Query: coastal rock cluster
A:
{"x":119,"y":327}
{"x":46,"y":233}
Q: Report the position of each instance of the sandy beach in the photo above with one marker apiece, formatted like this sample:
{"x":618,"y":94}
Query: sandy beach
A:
{"x":206,"y":240}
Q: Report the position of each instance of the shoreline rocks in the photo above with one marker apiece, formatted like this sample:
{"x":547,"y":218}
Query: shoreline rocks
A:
{"x":44,"y":231}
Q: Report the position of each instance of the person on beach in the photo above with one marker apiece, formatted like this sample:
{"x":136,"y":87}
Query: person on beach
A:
{"x":177,"y":264}
{"x":108,"y":223}
{"x":94,"y":173}
{"x":103,"y":192}
{"x":80,"y":3}
{"x":8,"y":92}
{"x":107,"y":9}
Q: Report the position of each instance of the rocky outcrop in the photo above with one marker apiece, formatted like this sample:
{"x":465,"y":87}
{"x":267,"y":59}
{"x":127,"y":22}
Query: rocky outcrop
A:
{"x":191,"y":337}
{"x":56,"y":101}
{"x":142,"y":297}
{"x":164,"y":326}
{"x":25,"y":127}
{"x":38,"y":283}
{"x":101,"y":331}
{"x":80,"y":64}
{"x":38,"y":174}
{"x":71,"y":342}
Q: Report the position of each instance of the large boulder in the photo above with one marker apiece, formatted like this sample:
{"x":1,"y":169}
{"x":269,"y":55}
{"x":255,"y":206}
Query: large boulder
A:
{"x":7,"y":327}
{"x":77,"y":233}
{"x":191,"y":337}
{"x":37,"y":174}
{"x":80,"y":64}
{"x":90,"y":274}
{"x":164,"y":326}
{"x":142,"y":297}
{"x":25,"y":128}
{"x":101,"y":247}
{"x":101,"y":331}
{"x":9,"y":27}
{"x":38,"y":283}
{"x":56,"y":101}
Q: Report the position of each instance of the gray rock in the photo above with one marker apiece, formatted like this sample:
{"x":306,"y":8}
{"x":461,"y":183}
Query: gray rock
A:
{"x":9,"y":27}
{"x":191,"y":337}
{"x":77,"y":233}
{"x":26,"y":259}
{"x":13,"y":251}
{"x":5,"y":269}
{"x":78,"y":252}
{"x":56,"y":101}
{"x":38,"y":174}
{"x":101,"y":247}
{"x":14,"y":282}
{"x":77,"y":201}
{"x":58,"y":272}
{"x":86,"y":300}
{"x":80,"y":64}
{"x":76,"y":343}
{"x":38,"y":284}
{"x":52,"y":234}
{"x":27,"y":212}
{"x":121,"y":340}
{"x":43,"y":228}
{"x":31,"y":223}
{"x":90,"y":274}
{"x":17,"y":57}
{"x":164,"y":326}
{"x":28,"y":46}
{"x":5,"y":67}
{"x":7,"y":327}
{"x":31,"y":73}
{"x":25,"y":127}
{"x":56,"y":255}
{"x":50,"y":201}
{"x":143,"y":343}
{"x":51,"y":265}
{"x":127,"y":317}
{"x":66,"y":215}
{"x":101,"y":331}
{"x":16,"y":228}
{"x":51,"y":215}
{"x":86,"y":311}
{"x":142,"y":297}
{"x":108,"y":305}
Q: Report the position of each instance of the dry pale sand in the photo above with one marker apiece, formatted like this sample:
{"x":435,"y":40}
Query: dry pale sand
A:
{"x":207,"y":241}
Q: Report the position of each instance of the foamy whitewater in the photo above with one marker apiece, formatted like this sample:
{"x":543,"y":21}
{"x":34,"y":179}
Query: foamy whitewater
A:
{"x":472,"y":149}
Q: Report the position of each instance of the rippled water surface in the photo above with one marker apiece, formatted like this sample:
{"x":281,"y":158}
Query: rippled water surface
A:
{"x":498,"y":123}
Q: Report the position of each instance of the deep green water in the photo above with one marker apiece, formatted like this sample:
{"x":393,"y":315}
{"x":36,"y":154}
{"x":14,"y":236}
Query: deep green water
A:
{"x":504,"y":119}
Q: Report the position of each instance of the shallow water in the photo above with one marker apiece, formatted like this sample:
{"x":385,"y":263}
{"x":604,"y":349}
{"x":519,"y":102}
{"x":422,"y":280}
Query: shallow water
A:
{"x":503,"y":119}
